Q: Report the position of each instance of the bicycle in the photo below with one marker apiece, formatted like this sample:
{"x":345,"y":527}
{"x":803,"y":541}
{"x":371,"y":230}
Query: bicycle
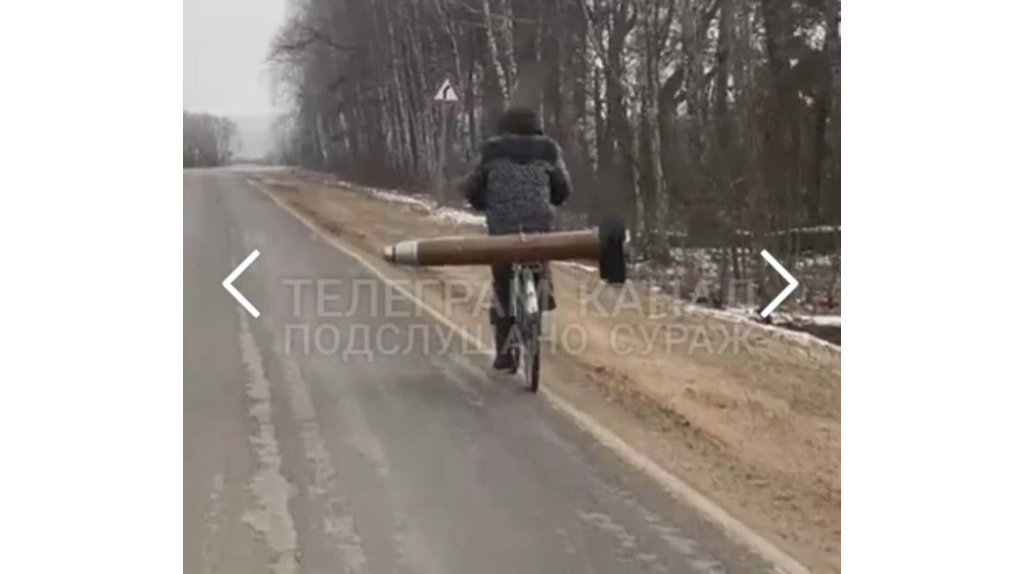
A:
{"x":524,"y":338}
{"x":607,"y":246}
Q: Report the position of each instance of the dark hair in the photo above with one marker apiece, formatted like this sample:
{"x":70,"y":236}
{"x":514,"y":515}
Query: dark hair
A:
{"x":522,"y":121}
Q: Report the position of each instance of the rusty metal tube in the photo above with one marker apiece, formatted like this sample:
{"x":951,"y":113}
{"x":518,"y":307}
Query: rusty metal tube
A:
{"x":488,"y":249}
{"x":605,"y":245}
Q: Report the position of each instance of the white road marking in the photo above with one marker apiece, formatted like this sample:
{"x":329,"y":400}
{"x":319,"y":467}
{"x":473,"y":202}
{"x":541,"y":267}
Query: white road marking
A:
{"x":214,"y":518}
{"x":271,"y":518}
{"x":733,"y":528}
{"x":339,"y":524}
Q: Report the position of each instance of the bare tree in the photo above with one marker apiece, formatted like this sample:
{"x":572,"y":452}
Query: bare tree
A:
{"x":709,"y":123}
{"x":208,"y":140}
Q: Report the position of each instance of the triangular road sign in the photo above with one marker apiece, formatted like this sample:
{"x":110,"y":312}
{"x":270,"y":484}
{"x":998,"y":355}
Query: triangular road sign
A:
{"x":446,"y":93}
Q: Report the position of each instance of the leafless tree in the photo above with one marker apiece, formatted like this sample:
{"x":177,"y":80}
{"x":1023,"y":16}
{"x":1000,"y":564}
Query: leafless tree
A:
{"x":709,"y":123}
{"x":208,"y":140}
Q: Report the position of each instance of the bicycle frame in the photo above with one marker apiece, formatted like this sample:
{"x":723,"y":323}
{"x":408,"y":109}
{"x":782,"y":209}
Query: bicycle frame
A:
{"x":526,"y":314}
{"x":524,"y":299}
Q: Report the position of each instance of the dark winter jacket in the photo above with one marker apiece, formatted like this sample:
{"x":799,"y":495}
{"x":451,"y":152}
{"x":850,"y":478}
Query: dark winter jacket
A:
{"x":517,"y":180}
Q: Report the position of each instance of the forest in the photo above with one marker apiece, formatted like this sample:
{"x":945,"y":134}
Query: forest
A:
{"x":208,"y":140}
{"x":710,"y":124}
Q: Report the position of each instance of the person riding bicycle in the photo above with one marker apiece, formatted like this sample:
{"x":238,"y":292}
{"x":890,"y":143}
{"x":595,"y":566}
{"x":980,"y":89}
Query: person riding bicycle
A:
{"x":520,"y":175}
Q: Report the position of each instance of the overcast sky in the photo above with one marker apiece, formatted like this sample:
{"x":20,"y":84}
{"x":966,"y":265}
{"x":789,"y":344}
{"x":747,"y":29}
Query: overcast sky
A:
{"x":225,"y":50}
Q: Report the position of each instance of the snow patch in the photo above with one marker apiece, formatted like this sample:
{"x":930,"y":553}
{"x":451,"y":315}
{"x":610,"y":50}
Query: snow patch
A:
{"x":439,"y":213}
{"x":702,"y":259}
{"x":395,"y":197}
{"x":750,"y":318}
{"x":450,"y":216}
{"x":581,"y":266}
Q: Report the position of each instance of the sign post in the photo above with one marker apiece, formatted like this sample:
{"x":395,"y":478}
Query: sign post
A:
{"x":446,"y":98}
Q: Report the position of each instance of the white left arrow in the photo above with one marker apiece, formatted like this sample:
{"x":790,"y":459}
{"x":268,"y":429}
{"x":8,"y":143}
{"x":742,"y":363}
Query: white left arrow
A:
{"x":785,"y":275}
{"x":227,"y":283}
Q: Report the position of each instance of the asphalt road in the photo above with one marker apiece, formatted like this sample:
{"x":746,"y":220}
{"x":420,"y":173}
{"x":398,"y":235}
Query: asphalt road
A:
{"x":314,"y":460}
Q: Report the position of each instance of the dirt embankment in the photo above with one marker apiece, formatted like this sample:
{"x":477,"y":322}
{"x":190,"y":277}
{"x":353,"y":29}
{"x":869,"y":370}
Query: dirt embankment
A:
{"x":747,"y":416}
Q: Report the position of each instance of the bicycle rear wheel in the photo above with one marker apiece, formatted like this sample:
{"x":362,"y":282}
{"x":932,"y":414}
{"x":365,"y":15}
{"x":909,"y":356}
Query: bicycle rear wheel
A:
{"x":530,"y":355}
{"x":515,"y":349}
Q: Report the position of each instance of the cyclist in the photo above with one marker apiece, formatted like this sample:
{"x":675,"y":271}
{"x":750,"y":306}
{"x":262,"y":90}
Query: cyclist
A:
{"x":520,"y":175}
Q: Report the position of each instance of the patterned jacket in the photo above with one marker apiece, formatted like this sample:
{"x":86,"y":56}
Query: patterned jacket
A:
{"x":516,"y":181}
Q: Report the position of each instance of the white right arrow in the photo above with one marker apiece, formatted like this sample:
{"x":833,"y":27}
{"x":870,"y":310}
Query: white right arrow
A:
{"x":785,"y":292}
